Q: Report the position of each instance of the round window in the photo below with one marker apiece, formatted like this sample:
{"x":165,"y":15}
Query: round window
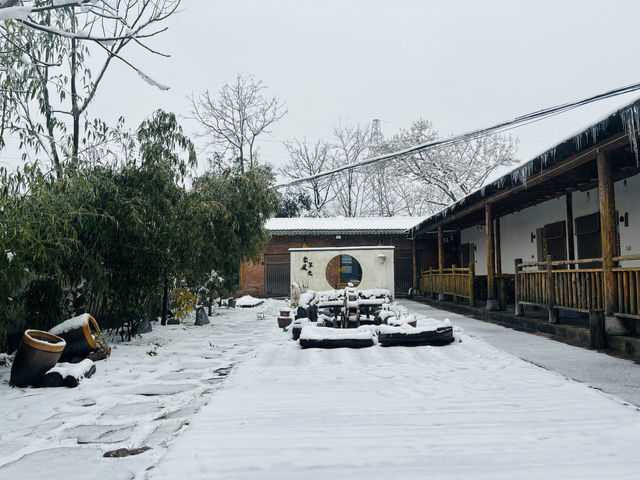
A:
{"x":342,"y":270}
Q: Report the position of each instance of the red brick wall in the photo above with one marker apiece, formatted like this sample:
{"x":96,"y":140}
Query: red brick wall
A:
{"x":252,"y":278}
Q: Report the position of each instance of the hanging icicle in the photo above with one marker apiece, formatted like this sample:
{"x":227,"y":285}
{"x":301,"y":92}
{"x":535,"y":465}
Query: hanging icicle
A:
{"x":631,"y":121}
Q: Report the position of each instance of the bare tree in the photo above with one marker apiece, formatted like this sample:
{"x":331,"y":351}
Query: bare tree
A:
{"x":306,"y":160}
{"x":351,"y":144}
{"x":449,"y":173}
{"x":45,"y":78}
{"x":237,"y":116}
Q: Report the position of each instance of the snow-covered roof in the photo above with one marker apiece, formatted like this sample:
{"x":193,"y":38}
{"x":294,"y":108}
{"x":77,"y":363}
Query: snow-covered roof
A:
{"x":341,"y":225}
{"x":623,"y":120}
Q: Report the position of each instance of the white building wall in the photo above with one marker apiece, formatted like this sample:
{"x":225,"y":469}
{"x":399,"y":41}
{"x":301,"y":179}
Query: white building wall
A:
{"x":375,"y":272}
{"x":475,"y":235}
{"x":627,"y":201}
{"x":516,"y":228}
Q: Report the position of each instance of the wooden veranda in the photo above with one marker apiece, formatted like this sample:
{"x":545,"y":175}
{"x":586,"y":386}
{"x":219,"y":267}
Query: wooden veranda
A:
{"x":596,"y":158}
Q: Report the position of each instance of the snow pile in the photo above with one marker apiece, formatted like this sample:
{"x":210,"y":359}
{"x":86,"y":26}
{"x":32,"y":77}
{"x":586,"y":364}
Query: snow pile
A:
{"x":76,"y":370}
{"x":422,"y":325}
{"x":375,"y":293}
{"x":308,"y":299}
{"x":330,"y":295}
{"x":325,"y":320}
{"x":15,"y":13}
{"x":71,"y":324}
{"x":312,"y":332}
{"x":248,"y":301}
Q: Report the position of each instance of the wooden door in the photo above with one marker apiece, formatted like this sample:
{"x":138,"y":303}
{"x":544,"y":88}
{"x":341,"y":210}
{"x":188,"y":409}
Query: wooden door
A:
{"x":403,"y":266}
{"x":277,"y":275}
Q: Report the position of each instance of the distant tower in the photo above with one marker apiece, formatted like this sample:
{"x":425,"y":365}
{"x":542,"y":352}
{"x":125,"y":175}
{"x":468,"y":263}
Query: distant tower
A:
{"x":376,"y":133}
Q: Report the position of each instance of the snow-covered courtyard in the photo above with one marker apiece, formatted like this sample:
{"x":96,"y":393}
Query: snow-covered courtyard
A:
{"x":239,"y":399}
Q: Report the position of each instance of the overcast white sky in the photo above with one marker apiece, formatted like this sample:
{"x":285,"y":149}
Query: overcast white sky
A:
{"x":462,"y":64}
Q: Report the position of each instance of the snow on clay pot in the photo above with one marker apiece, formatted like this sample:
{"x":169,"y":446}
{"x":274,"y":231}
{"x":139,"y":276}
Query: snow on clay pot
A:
{"x":77,"y":333}
{"x":284,"y":322}
{"x":37,"y":353}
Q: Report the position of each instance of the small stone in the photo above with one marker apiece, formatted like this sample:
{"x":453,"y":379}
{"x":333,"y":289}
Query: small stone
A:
{"x":144,"y":326}
{"x":201,"y":317}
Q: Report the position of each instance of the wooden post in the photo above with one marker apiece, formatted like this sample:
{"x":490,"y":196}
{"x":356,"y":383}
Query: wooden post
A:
{"x":492,"y":302}
{"x":597,"y":330}
{"x":415,"y":265}
{"x":608,"y":231}
{"x":551,"y":292}
{"x":440,"y":259}
{"x":518,"y":310}
{"x":498,"y":249}
{"x":454,"y":280}
{"x":570,"y":236}
{"x":472,"y":298}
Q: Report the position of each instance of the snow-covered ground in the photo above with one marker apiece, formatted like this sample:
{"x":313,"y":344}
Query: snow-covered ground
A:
{"x":465,"y":410}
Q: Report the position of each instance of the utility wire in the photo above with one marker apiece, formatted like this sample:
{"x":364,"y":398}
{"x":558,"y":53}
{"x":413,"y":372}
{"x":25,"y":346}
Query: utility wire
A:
{"x":499,"y":127}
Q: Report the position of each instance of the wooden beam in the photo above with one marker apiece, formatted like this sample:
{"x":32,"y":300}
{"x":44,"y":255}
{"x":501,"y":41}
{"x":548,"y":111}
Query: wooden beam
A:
{"x":440,"y":256}
{"x":415,"y":264}
{"x":498,"y":248}
{"x":440,"y":247}
{"x":573,"y":162}
{"x":570,"y":239}
{"x":492,"y":302}
{"x":606,"y":196}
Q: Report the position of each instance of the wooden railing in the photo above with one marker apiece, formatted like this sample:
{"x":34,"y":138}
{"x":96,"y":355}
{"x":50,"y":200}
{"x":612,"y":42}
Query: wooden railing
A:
{"x":454,"y":281}
{"x":552,"y":285}
{"x":628,"y":283}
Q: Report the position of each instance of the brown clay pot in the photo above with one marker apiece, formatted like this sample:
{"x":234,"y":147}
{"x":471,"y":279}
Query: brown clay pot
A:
{"x":37,"y":353}
{"x":284,"y":321}
{"x":285,"y":313}
{"x":80,"y":341}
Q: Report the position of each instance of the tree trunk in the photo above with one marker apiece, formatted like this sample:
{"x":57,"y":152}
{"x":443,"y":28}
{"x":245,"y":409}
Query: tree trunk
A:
{"x":165,"y":301}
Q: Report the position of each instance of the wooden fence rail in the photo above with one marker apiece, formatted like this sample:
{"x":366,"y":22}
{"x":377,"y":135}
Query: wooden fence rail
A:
{"x":454,"y":281}
{"x":628,"y":283}
{"x":555,"y":285}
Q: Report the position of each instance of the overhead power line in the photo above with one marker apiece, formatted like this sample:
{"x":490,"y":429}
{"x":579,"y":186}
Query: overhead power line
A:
{"x":499,"y":127}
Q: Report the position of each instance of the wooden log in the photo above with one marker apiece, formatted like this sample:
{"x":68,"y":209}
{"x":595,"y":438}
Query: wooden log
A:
{"x":440,"y":248}
{"x":498,"y":247}
{"x":597,"y":330}
{"x":619,"y":307}
{"x":472,"y":298}
{"x":491,"y":254}
{"x":414,"y":258}
{"x":606,"y":197}
{"x":625,"y":292}
{"x":632,"y":293}
{"x":455,"y":287}
{"x":637,"y":293}
{"x":518,"y":277}
{"x":570,"y":239}
{"x":551,"y":291}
